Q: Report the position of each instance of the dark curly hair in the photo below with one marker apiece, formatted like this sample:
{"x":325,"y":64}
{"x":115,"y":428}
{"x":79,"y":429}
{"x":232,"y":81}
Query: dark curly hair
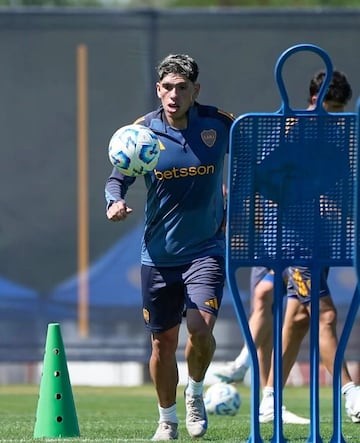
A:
{"x":178,"y":64}
{"x":339,"y":88}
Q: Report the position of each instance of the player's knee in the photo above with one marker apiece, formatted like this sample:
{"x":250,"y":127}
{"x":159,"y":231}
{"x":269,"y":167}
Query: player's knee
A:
{"x":328,"y":317}
{"x":164,"y":344}
{"x":301,"y":322}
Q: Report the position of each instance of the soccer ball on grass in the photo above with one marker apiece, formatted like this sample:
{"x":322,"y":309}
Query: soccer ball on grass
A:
{"x":134,"y":150}
{"x":222,"y":399}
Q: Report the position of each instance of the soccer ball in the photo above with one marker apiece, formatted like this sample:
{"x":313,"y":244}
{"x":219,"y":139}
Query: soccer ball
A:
{"x":134,"y":150}
{"x":222,"y":399}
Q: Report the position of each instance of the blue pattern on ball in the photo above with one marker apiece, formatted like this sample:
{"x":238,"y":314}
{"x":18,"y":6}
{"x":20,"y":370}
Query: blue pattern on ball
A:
{"x":222,"y":399}
{"x":134,"y":150}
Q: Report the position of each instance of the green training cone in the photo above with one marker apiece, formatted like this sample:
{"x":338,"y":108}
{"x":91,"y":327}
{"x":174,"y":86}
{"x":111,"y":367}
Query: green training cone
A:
{"x":56,"y":413}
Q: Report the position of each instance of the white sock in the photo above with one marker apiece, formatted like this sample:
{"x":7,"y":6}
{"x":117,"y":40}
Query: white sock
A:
{"x":267,"y":401}
{"x":243,"y":359}
{"x":268,"y":391}
{"x":194,"y":387}
{"x":348,"y":387}
{"x":168,"y":414}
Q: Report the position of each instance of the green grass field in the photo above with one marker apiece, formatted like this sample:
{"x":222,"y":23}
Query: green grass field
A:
{"x":118,"y":414}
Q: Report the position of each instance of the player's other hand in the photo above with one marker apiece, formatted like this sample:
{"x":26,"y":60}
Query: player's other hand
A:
{"x":118,"y":211}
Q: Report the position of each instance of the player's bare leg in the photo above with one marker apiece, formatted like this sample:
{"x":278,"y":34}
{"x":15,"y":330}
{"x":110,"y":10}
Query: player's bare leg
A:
{"x":295,"y":327}
{"x":163,"y":366}
{"x":264,"y":354}
{"x":261,"y":328}
{"x":164,"y":374}
{"x":328,"y":336}
{"x":200,"y":348}
{"x":328,"y":343}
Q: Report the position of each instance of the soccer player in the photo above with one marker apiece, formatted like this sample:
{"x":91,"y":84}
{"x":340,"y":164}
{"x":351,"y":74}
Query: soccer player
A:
{"x":297,"y":314}
{"x":183,"y":246}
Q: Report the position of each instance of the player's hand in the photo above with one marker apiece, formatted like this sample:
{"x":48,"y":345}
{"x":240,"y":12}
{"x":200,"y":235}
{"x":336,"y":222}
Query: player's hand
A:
{"x":118,"y":211}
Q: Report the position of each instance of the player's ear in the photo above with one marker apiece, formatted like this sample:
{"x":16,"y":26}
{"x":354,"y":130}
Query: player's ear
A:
{"x":196,"y":91}
{"x":158,"y":89}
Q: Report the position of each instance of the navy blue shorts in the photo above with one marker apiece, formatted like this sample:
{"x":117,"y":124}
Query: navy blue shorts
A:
{"x":299,"y":283}
{"x":260,"y":273}
{"x":169,"y":291}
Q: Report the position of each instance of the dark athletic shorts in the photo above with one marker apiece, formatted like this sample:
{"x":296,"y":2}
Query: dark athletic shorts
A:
{"x":259,"y":273}
{"x":168,"y":291}
{"x":297,"y":281}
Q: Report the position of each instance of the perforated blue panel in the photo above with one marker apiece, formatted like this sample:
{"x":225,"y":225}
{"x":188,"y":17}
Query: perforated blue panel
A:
{"x":291,"y":196}
{"x":291,"y":189}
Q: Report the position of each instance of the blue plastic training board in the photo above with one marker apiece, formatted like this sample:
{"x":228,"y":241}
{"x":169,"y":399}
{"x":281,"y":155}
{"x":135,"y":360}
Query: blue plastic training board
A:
{"x":291,"y":184}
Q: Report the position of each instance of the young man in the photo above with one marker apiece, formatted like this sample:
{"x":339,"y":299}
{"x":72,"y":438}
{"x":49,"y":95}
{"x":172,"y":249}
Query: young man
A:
{"x":297,"y":314}
{"x":183,"y":243}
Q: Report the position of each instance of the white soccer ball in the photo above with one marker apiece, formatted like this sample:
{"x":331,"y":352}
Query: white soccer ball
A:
{"x":134,"y":150}
{"x":222,"y":399}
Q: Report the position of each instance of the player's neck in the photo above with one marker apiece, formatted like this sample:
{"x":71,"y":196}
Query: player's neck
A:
{"x":177,"y":123}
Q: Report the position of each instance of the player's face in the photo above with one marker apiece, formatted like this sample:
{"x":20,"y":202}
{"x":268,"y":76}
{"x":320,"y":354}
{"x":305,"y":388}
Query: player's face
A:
{"x":177,"y":94}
